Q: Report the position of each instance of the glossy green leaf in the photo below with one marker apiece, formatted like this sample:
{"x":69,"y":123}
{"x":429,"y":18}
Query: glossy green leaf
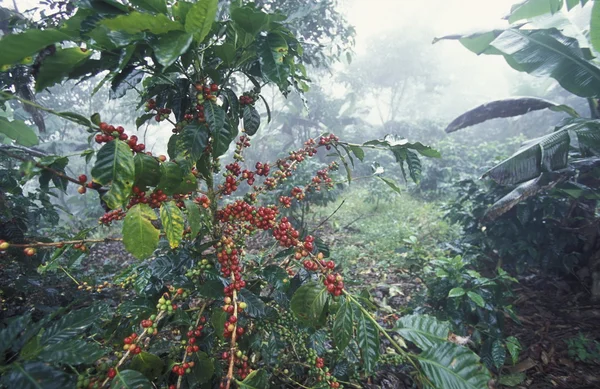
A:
{"x":57,"y":67}
{"x":36,"y":375}
{"x":529,"y":9}
{"x":135,"y":22}
{"x":358,"y":152}
{"x":218,"y":322}
{"x":140,"y":237}
{"x":226,"y":52}
{"x":15,"y":47}
{"x":72,"y":352}
{"x":343,"y":326}
{"x":498,"y":354}
{"x":155,"y":6}
{"x":258,"y":379}
{"x":150,"y":365}
{"x":503,"y":109}
{"x":477,"y":299}
{"x":456,"y":292}
{"x":130,"y":379}
{"x":251,"y":120}
{"x":512,"y":380}
{"x":423,"y":330}
{"x":256,"y":308}
{"x":273,"y":66}
{"x":309,"y":301}
{"x":170,"y":46}
{"x":514,"y":348}
{"x":478,"y":43}
{"x":547,"y":52}
{"x":193,"y":217}
{"x":203,"y":370}
{"x":10,"y":333}
{"x":115,"y":165}
{"x":172,"y":221}
{"x":573,"y":3}
{"x":193,"y":141}
{"x":18,"y":131}
{"x":391,"y":184}
{"x":215,"y":116}
{"x":200,"y":19}
{"x":171,"y":176}
{"x":275,"y":276}
{"x":250,"y":19}
{"x":147,"y":170}
{"x":211,"y":289}
{"x":71,"y":324}
{"x":367,"y":337}
{"x":450,"y":366}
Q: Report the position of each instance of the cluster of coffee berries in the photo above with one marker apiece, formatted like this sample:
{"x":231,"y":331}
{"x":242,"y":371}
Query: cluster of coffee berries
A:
{"x":334,"y":284}
{"x":128,"y":281}
{"x":285,"y":201}
{"x":154,"y":200}
{"x":297,"y":193}
{"x":248,"y":98}
{"x":166,"y":305}
{"x":227,"y":255}
{"x":111,"y":216}
{"x":240,"y":361}
{"x":29,"y":251}
{"x":192,"y":335}
{"x":150,"y":325}
{"x":203,"y":200}
{"x":206,"y":92}
{"x":197,"y":271}
{"x":262,"y":169}
{"x":327,"y":141}
{"x":81,"y":247}
{"x":321,"y":372}
{"x":247,"y":218}
{"x":242,"y":143}
{"x":183,"y":368}
{"x":150,"y":105}
{"x":229,"y":186}
{"x":109,"y":132}
{"x":99,"y":288}
{"x":286,"y":235}
{"x":129,"y":344}
{"x":248,"y":175}
{"x":162,"y":114}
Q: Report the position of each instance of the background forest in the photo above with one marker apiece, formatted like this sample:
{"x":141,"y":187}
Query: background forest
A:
{"x":299,"y":194}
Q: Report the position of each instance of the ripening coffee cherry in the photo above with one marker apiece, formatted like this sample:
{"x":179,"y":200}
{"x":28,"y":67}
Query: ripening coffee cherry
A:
{"x":81,"y":190}
{"x":82,"y":178}
{"x":29,"y":251}
{"x":4,"y":245}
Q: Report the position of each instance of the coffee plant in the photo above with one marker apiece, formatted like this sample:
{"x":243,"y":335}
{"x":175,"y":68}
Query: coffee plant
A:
{"x":200,"y":308}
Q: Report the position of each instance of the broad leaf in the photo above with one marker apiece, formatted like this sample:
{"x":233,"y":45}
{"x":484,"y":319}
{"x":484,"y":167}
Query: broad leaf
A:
{"x":56,"y":67}
{"x":130,"y":379}
{"x":71,"y":324}
{"x":547,"y":52}
{"x":200,"y":19}
{"x":115,"y":165}
{"x":147,"y":170}
{"x":503,"y":109}
{"x":15,"y":47}
{"x":18,"y":131}
{"x":193,"y":217}
{"x":202,"y":372}
{"x":343,"y":326}
{"x":148,"y":364}
{"x":391,"y":183}
{"x":171,"y":176}
{"x":172,"y":221}
{"x":423,"y":330}
{"x":450,"y":366}
{"x":192,"y":141}
{"x":476,"y":298}
{"x":456,"y":292}
{"x":36,"y":375}
{"x":367,"y":337}
{"x":167,"y":48}
{"x":478,"y":43}
{"x":309,"y":301}
{"x":514,"y":348}
{"x":251,"y":120}
{"x":250,"y":19}
{"x":218,"y":321}
{"x":135,"y":22}
{"x":223,"y":139}
{"x":529,"y":9}
{"x":72,"y":352}
{"x":140,"y":237}
{"x":498,"y":353}
{"x":9,"y":334}
{"x":256,"y":308}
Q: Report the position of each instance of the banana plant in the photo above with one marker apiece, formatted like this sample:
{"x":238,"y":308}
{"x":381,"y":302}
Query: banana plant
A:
{"x":562,"y":158}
